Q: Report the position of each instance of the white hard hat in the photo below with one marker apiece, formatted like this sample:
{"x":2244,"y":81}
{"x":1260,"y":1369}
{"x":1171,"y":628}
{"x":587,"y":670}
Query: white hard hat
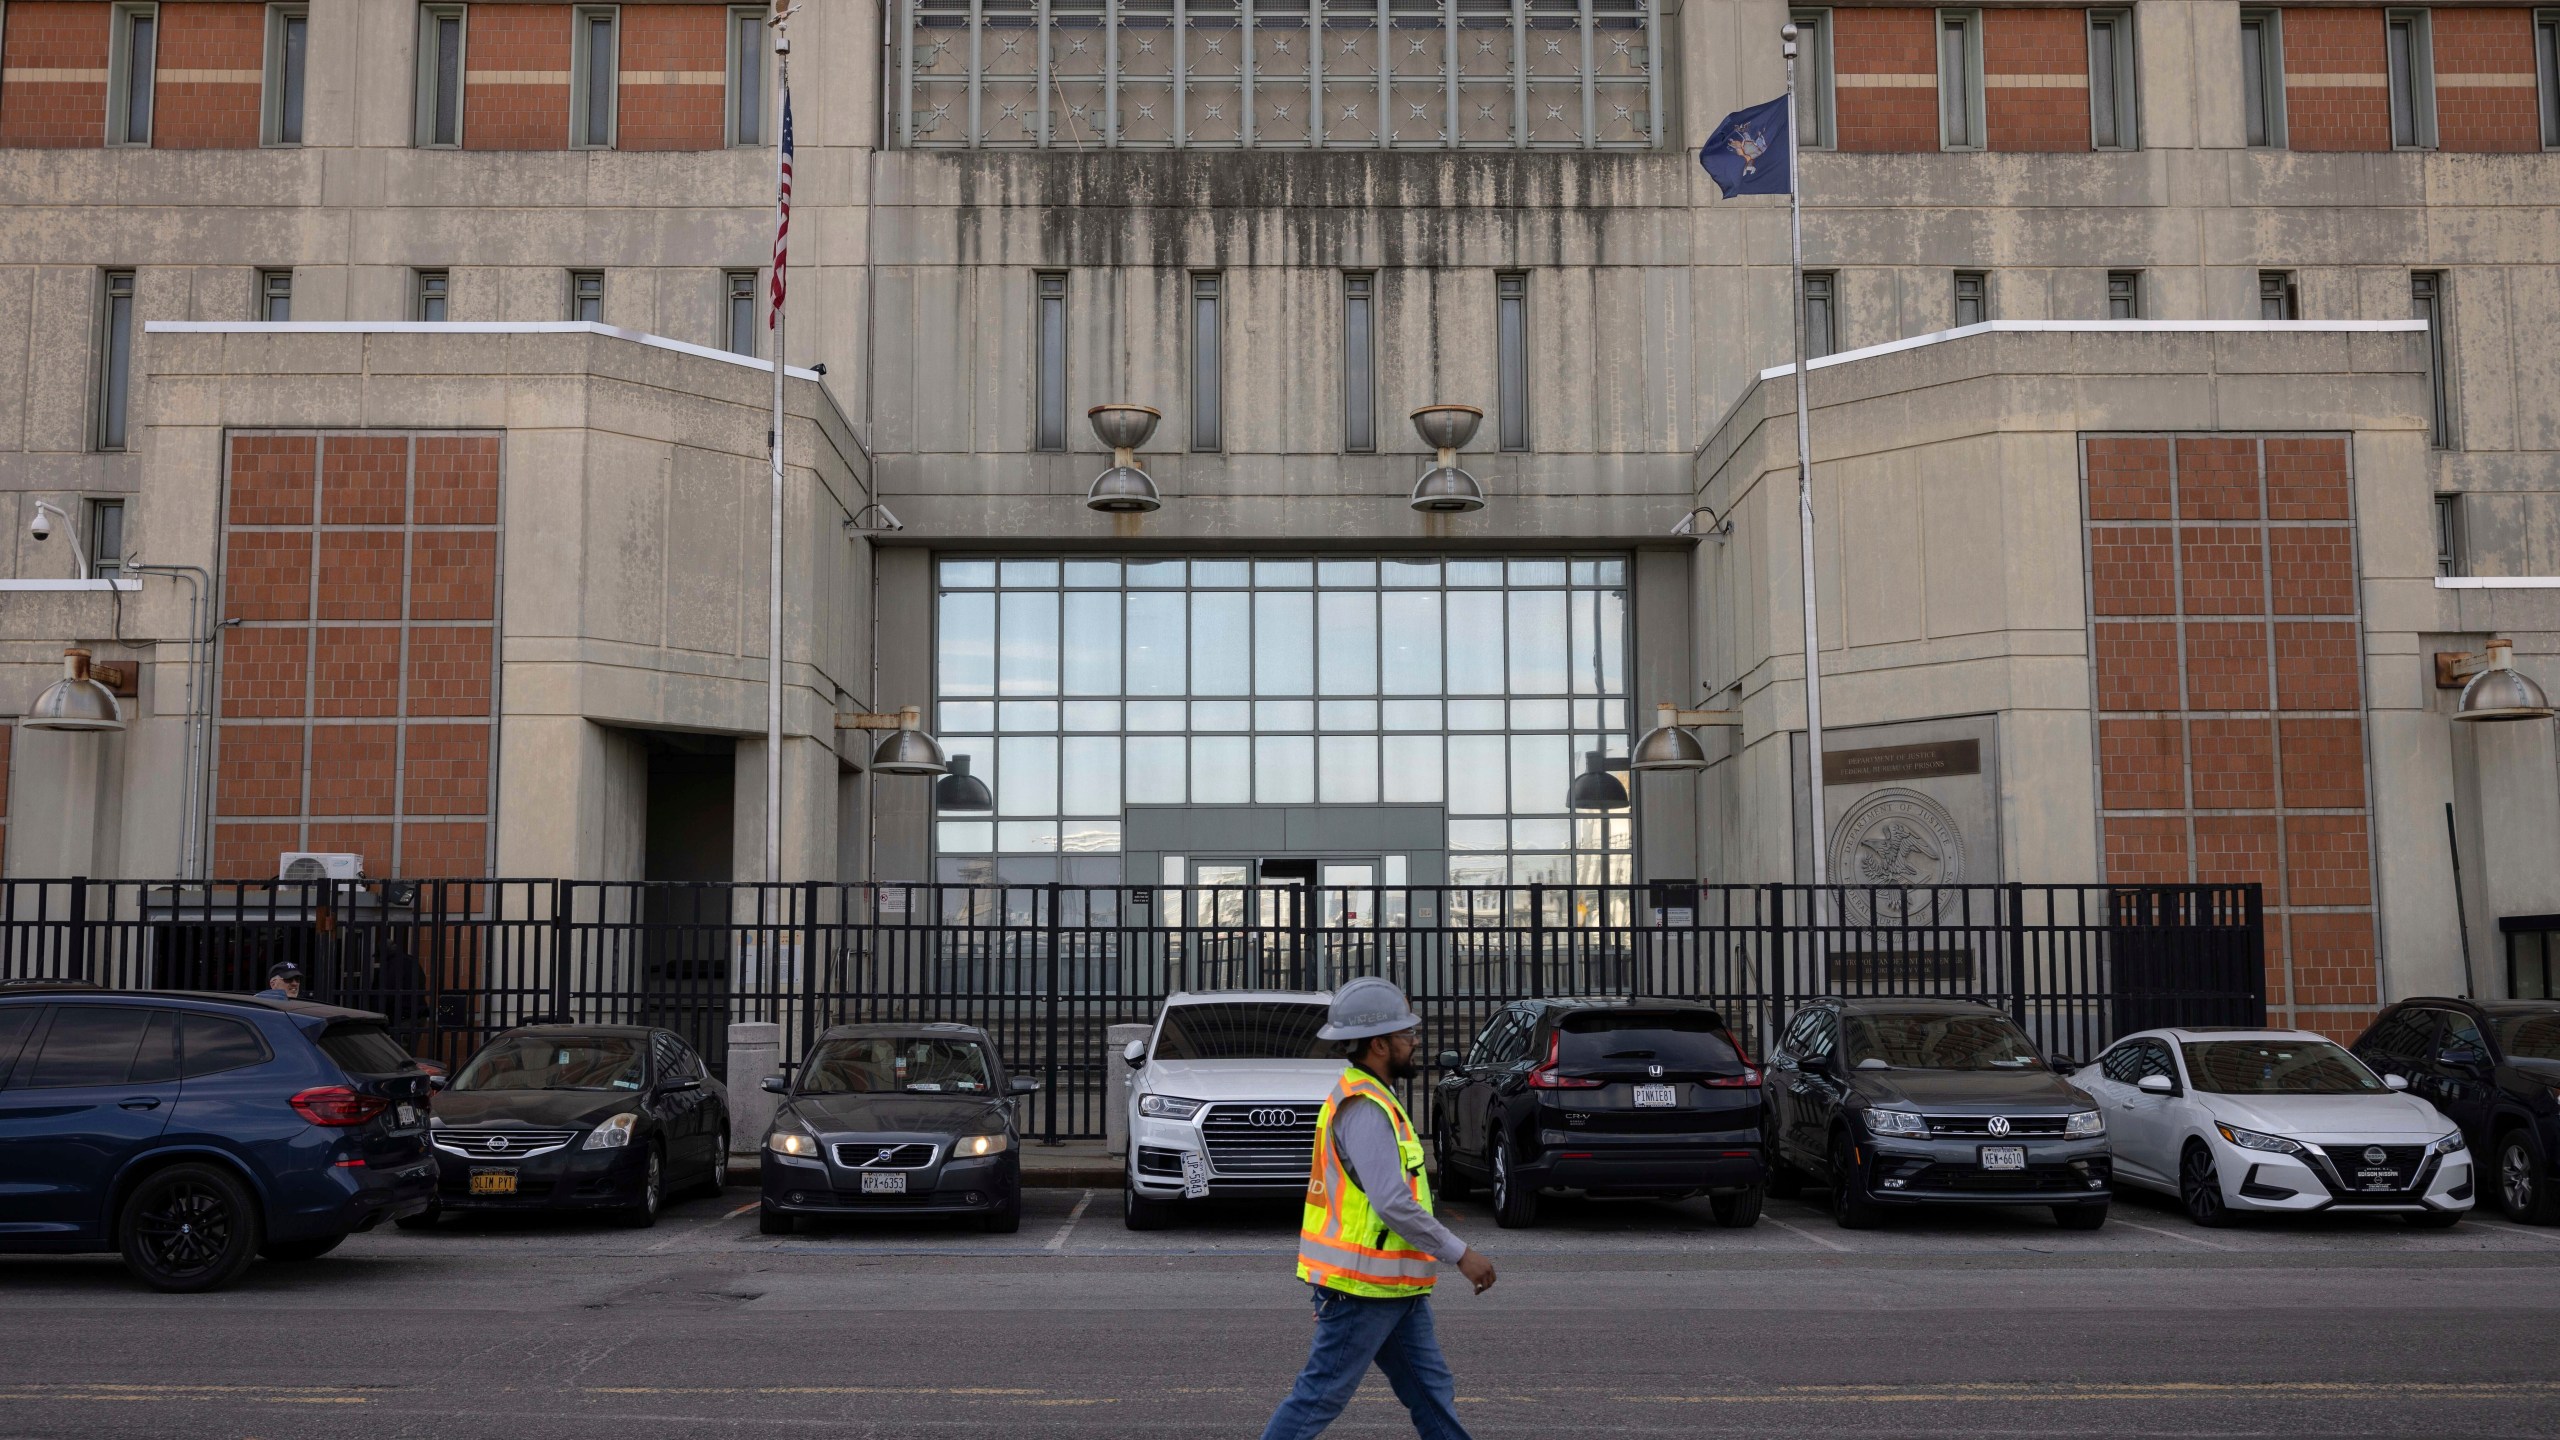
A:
{"x":1366,"y":1007}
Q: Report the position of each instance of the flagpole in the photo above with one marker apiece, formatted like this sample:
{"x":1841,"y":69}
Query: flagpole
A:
{"x":773,"y":587}
{"x":1804,"y":487}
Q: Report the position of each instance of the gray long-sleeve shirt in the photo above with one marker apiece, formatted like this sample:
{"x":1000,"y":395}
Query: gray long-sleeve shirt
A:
{"x":1366,"y":1140}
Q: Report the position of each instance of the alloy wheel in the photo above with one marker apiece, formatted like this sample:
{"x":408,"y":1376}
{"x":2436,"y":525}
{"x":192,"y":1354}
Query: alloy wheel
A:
{"x":720,"y":1165}
{"x":1501,"y":1176}
{"x":2516,"y":1178}
{"x":188,"y":1231}
{"x":652,"y":1189}
{"x":2200,"y":1188}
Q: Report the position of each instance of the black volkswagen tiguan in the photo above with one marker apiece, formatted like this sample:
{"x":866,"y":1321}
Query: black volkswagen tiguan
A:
{"x":1608,"y":1097}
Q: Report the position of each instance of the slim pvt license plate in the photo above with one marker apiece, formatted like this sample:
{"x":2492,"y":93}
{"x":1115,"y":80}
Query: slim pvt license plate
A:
{"x":878,"y":1183}
{"x":1656,"y":1096}
{"x":2004,"y":1157}
{"x":493,"y":1182}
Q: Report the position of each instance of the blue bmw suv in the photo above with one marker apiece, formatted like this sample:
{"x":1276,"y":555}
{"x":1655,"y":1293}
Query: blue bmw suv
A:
{"x":194,"y":1133}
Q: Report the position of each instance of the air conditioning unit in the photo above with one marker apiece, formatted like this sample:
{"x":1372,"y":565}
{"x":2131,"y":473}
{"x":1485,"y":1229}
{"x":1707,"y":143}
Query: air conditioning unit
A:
{"x":316,"y":865}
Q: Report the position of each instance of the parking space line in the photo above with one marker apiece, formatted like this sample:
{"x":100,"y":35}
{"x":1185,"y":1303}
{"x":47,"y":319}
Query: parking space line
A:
{"x":1809,"y":1235}
{"x":1058,"y":1241}
{"x":2172,"y":1234}
{"x":741,"y":1210}
{"x":2509,"y":1227}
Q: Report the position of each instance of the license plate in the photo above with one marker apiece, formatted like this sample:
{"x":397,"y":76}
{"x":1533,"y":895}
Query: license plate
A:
{"x":1656,"y":1096}
{"x":883,"y":1183}
{"x":407,"y":1116}
{"x":2004,"y":1157}
{"x":1195,"y":1174}
{"x":493,"y":1182}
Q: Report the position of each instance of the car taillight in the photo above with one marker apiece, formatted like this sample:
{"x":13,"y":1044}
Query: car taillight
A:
{"x":338,"y":1105}
{"x":1545,"y":1076}
{"x":1749,"y":1077}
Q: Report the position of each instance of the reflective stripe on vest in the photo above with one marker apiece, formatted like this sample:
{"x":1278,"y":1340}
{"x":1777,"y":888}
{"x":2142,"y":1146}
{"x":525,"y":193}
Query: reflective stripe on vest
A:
{"x":1343,"y":1243}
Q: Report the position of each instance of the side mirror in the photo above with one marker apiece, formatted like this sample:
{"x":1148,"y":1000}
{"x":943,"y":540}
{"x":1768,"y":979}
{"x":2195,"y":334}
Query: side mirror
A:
{"x":436,"y":1082}
{"x":1451,"y":1059}
{"x":673,"y":1086}
{"x":2156,"y":1085}
{"x":2462,"y":1057}
{"x":1135,"y":1054}
{"x":776,"y":1085}
{"x":1875,"y":1062}
{"x":2395,"y":1082}
{"x":2064,"y":1064}
{"x":1025,"y":1085}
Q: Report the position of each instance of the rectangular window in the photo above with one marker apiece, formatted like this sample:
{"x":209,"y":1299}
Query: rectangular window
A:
{"x":1204,"y":362}
{"x":586,"y":295}
{"x":106,"y":539}
{"x":1973,"y":297}
{"x":440,"y":35}
{"x":275,"y":294}
{"x":434,"y":288}
{"x":2262,"y":77}
{"x":2449,"y":557}
{"x":2278,"y":298}
{"x":1511,"y":354}
{"x":740,"y":287}
{"x":2546,"y":64}
{"x":132,"y":64}
{"x":1359,"y":363}
{"x":2427,"y":302}
{"x":115,"y":358}
{"x":288,"y":51}
{"x":2113,"y":90}
{"x":1813,"y":79}
{"x":2411,"y":61}
{"x":2124,"y":294}
{"x":1051,"y":420}
{"x":746,"y":76}
{"x":1960,"y":79}
{"x":594,"y":78}
{"x":1821,"y":324}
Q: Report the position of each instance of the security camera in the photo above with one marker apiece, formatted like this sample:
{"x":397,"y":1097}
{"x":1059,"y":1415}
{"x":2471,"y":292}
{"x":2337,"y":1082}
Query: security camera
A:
{"x":41,"y":527}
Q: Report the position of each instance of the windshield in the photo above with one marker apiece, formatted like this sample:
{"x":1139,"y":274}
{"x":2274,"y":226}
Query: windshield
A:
{"x":1676,"y":1041}
{"x":541,"y":1062}
{"x":1925,"y":1041}
{"x":1244,"y":1030}
{"x":2277,"y":1067}
{"x":886,"y":1064}
{"x":2530,"y":1037}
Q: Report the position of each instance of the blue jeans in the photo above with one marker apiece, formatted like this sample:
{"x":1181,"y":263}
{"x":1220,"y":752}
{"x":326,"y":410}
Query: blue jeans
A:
{"x":1351,"y":1331}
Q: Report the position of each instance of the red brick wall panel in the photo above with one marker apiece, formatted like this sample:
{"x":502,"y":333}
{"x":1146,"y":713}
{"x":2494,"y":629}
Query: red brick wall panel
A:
{"x":2317,"y":666}
{"x":354,"y":769}
{"x":2313,"y":569}
{"x":2128,"y":478}
{"x":2233,"y":763}
{"x":449,"y":670}
{"x":2137,"y":666}
{"x":515,"y":89}
{"x":364,"y":480}
{"x":2227,"y":665}
{"x":357,"y":671}
{"x":2035,"y":45}
{"x":2322,"y":48}
{"x":2141,"y":764}
{"x":259,"y":771}
{"x":689,"y":43}
{"x":2487,"y":94}
{"x":2147,"y":850}
{"x":267,"y":575}
{"x":2307,"y":479}
{"x":370,"y":840}
{"x":457,"y":481}
{"x":2238,"y":850}
{"x":265,"y":673}
{"x":1894,"y":44}
{"x":212,"y":78}
{"x":2224,"y":571}
{"x":2327,"y":861}
{"x":360,"y":574}
{"x":248,"y":852}
{"x":271,"y":479}
{"x":2132,"y":571}
{"x":457,"y":851}
{"x":447,"y":771}
{"x":453,"y":575}
{"x":2323,"y":761}
{"x":2333,"y":960}
{"x":67,"y":44}
{"x":2217,"y":478}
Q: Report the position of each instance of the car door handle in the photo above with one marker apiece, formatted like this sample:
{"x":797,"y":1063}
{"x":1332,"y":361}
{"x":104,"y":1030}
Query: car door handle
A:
{"x":140,"y":1102}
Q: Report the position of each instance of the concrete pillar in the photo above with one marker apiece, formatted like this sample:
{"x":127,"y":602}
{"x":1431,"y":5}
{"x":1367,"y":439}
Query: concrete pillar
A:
{"x":2519,"y":809}
{"x":1115,"y":1112}
{"x":755,"y":1051}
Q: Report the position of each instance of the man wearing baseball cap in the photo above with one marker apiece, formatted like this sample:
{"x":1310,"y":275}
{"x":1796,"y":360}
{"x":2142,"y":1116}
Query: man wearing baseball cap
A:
{"x":284,"y":982}
{"x":1367,"y":1241}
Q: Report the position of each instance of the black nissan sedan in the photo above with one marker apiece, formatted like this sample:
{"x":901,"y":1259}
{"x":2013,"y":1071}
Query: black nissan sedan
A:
{"x":1608,"y":1097}
{"x":1893,"y":1102}
{"x":579,"y":1117}
{"x":896,"y":1119}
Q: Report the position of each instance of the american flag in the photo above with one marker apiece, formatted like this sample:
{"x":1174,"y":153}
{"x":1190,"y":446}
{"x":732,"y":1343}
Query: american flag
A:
{"x":782,"y":220}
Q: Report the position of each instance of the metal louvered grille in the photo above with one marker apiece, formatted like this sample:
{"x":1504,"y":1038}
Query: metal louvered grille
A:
{"x":2019,"y":1126}
{"x":1277,"y":1141}
{"x":859,"y":1155}
{"x":502,"y":1144}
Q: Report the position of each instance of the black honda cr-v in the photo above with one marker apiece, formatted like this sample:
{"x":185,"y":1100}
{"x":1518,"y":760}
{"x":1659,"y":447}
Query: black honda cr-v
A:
{"x":1608,"y":1097}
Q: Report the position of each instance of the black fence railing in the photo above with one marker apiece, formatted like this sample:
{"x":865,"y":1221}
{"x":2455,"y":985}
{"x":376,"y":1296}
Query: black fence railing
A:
{"x":1046,"y":970}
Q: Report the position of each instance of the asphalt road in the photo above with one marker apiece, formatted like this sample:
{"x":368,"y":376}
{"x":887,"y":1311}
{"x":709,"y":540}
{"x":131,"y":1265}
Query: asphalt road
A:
{"x":1613,"y":1319}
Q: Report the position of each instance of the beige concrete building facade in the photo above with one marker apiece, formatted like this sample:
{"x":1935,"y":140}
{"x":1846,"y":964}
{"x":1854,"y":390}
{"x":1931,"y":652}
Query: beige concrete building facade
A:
{"x":496,"y":252}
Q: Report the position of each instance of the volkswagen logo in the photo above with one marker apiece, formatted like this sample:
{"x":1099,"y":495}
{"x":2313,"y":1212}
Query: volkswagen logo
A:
{"x":1999,"y":1125}
{"x":1269,"y":1118}
{"x":2375,"y":1154}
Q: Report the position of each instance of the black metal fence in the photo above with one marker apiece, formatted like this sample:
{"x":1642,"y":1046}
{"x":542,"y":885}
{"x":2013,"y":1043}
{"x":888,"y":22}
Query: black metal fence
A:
{"x":1046,"y":970}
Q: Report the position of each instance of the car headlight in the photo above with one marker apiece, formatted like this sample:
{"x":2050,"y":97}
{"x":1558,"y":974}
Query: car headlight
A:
{"x":971,"y":1145}
{"x":612,"y":1134}
{"x":1168,"y":1107}
{"x":792,"y":1142}
{"x":2252,"y":1140}
{"x":2085,"y":1125}
{"x":2450,"y":1144}
{"x":1896,"y":1122}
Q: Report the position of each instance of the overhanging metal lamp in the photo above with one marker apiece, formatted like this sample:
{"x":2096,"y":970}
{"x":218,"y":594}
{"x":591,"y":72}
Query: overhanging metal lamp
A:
{"x":1446,"y":489}
{"x":2492,"y":687}
{"x":1670,"y":746}
{"x":1124,"y":489}
{"x":76,"y":702}
{"x":906,"y":749}
{"x":960,"y":790}
{"x":1595,"y":788}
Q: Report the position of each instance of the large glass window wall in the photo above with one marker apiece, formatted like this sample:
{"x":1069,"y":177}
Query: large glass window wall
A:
{"x":1079,"y":686}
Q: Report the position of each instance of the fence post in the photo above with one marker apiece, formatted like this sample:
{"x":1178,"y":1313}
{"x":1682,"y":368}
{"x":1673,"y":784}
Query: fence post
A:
{"x":810,"y":890}
{"x":1773,"y":905}
{"x":560,"y":904}
{"x":80,"y":928}
{"x":1538,"y":939}
{"x":2257,"y":954}
{"x":1049,"y":1084}
{"x":2017,"y":900}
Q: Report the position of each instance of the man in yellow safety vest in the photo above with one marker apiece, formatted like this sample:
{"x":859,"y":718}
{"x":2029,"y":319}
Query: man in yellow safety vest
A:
{"x":1367,"y":1241}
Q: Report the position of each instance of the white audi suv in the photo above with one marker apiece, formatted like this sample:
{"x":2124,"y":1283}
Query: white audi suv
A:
{"x":1224,"y":1099}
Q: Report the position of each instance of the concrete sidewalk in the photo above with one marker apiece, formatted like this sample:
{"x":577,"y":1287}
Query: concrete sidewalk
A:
{"x":1071,"y":1165}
